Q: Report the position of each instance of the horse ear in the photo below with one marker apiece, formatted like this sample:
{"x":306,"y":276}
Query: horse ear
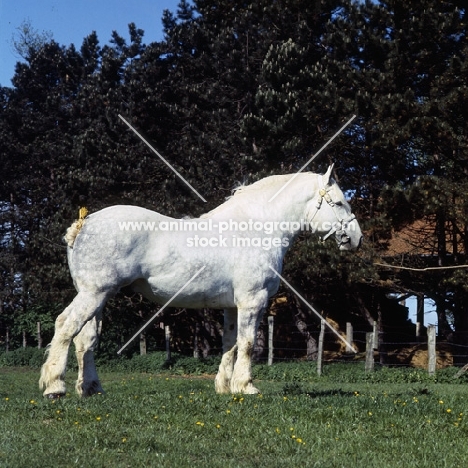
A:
{"x":327,"y":175}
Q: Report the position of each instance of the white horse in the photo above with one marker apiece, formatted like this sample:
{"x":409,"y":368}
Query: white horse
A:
{"x":241,"y":245}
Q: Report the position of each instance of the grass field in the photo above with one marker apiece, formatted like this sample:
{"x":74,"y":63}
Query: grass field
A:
{"x":148,"y":419}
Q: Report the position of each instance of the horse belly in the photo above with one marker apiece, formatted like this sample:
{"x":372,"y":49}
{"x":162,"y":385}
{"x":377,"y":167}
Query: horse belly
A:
{"x":195,"y":295}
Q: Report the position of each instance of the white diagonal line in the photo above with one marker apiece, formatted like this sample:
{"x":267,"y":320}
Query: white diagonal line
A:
{"x":161,"y":309}
{"x":162,"y":158}
{"x":312,"y":158}
{"x":350,"y":346}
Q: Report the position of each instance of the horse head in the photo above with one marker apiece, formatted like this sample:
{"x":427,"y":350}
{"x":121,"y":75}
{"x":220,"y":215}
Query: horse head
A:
{"x":332,"y":214}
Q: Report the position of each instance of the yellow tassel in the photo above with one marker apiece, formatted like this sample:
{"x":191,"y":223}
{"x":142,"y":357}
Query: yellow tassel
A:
{"x":83,"y":213}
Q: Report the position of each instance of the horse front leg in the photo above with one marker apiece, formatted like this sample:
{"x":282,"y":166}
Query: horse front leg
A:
{"x":224,"y":376}
{"x":85,"y":342}
{"x":68,"y":324}
{"x":248,"y":321}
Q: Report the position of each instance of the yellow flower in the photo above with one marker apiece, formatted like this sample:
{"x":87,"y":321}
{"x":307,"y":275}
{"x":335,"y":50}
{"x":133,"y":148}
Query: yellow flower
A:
{"x":441,"y":402}
{"x":6,"y":398}
{"x":449,"y":410}
{"x":98,"y":418}
{"x":124,"y":439}
{"x":217,"y":426}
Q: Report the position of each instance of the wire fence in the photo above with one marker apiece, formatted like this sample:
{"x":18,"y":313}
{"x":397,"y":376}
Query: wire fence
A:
{"x":395,"y":346}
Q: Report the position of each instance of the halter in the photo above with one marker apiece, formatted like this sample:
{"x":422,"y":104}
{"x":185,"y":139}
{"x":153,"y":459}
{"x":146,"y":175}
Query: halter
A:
{"x":340,"y":233}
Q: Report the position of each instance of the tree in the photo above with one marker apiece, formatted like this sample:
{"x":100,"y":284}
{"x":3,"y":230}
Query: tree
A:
{"x":26,"y":40}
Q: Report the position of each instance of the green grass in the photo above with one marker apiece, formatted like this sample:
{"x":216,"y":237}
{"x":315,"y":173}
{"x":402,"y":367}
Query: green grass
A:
{"x":167,"y":420}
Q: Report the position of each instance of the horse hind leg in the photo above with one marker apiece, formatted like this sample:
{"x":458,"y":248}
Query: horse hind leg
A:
{"x":223,"y":378}
{"x":85,"y":342}
{"x":69,"y":323}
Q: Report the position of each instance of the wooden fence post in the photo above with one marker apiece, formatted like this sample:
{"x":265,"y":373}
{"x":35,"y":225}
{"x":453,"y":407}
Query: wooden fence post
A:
{"x":39,"y":336}
{"x":431,"y":349}
{"x":320,"y":347}
{"x":196,"y":350}
{"x":375,"y":331}
{"x":369,"y":352}
{"x":271,"y":321}
{"x":142,"y":344}
{"x":349,"y":337}
{"x":167,"y":332}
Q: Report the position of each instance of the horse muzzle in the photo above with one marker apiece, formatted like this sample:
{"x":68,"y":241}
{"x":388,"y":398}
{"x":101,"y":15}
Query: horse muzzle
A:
{"x":349,"y":237}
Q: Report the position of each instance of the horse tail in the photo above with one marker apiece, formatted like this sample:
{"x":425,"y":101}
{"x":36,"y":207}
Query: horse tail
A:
{"x":75,"y":228}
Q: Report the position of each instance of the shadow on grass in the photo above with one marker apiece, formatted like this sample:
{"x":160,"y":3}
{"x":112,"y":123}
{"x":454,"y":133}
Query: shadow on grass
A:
{"x":295,"y":388}
{"x":329,"y":393}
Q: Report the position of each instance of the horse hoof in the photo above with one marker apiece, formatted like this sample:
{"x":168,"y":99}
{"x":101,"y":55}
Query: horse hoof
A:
{"x":54,"y":396}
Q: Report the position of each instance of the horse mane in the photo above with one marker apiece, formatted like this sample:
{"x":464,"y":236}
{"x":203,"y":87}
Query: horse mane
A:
{"x":246,"y":198}
{"x":262,"y":184}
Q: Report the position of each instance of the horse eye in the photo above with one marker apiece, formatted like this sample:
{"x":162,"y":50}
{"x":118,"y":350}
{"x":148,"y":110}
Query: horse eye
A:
{"x":338,"y":203}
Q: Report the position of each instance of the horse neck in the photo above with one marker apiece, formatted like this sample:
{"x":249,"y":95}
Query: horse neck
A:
{"x":293,"y":203}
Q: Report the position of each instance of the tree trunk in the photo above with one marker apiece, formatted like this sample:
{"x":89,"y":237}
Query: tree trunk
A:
{"x":460,"y":336}
{"x":301,"y":324}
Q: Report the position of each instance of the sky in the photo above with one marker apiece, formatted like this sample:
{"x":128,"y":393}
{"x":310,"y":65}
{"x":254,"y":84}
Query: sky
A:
{"x":70,"y":22}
